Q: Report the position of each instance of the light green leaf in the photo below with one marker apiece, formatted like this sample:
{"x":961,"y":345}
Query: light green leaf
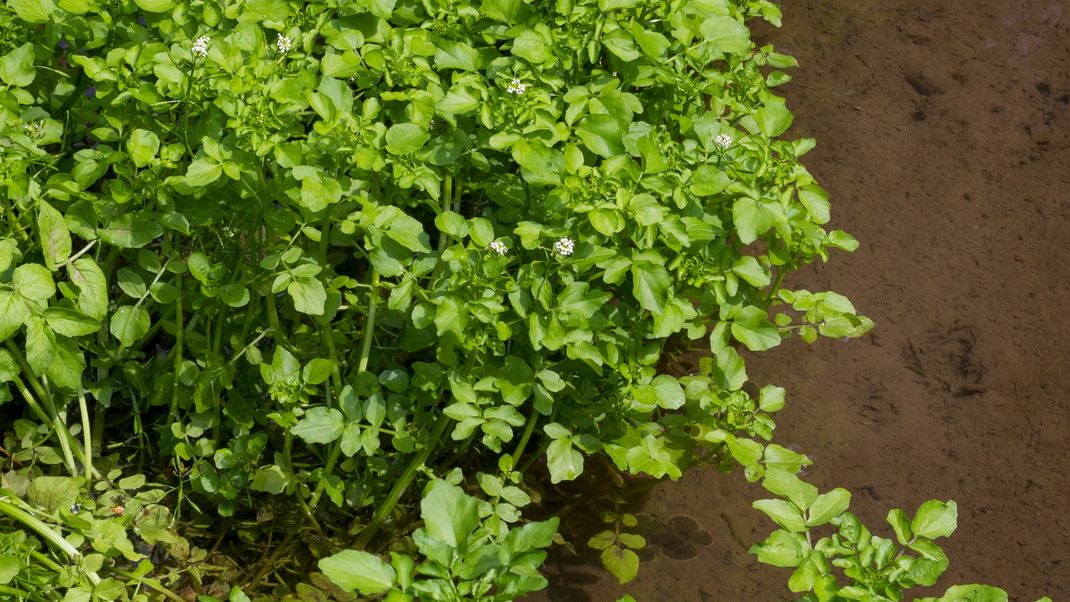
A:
{"x":974,"y":593}
{"x":709,"y":180}
{"x":16,"y":67}
{"x":142,"y":146}
{"x":13,"y":313}
{"x":785,"y":484}
{"x":565,"y":462}
{"x":33,"y":281}
{"x":750,"y":219}
{"x":202,"y":172}
{"x":622,"y":563}
{"x":308,"y":295}
{"x":816,"y":201}
{"x":670,"y":393}
{"x":155,"y":6}
{"x":935,"y":519}
{"x":320,"y":425}
{"x":542,"y":164}
{"x":92,"y":287}
{"x":533,"y":47}
{"x":449,"y":514}
{"x":53,"y":493}
{"x":602,"y":135}
{"x":269,"y":479}
{"x":781,"y":549}
{"x":70,"y":322}
{"x":452,"y":223}
{"x":828,"y":506}
{"x":783,"y":513}
{"x":39,"y":348}
{"x":457,"y":55}
{"x":55,"y":238}
{"x":354,"y":570}
{"x":68,"y":363}
{"x":751,"y":271}
{"x":752,"y":328}
{"x":130,"y":231}
{"x":725,"y":35}
{"x":901,"y":525}
{"x":129,"y":324}
{"x":650,"y":284}
{"x":33,"y":11}
{"x":406,"y":138}
{"x":774,"y":118}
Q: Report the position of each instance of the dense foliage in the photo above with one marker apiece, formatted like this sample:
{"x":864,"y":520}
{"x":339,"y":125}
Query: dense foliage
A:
{"x":271,"y":268}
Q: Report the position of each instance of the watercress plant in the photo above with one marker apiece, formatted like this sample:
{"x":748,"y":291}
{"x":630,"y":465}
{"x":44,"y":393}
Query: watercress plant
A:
{"x":271,"y":268}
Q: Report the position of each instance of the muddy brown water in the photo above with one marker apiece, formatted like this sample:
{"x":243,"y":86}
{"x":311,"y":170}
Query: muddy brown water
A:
{"x":943,"y":135}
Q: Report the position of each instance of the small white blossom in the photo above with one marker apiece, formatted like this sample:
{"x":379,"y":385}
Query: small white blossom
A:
{"x":564,"y":247}
{"x":284,"y":44}
{"x":499,"y":247}
{"x":200,"y":46}
{"x":723,"y":140}
{"x":516,"y":87}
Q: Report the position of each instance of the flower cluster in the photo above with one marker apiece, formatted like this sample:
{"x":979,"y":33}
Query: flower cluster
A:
{"x":499,"y":247}
{"x":284,"y":44}
{"x":516,"y":87}
{"x":564,"y":247}
{"x":723,"y":140}
{"x":200,"y":46}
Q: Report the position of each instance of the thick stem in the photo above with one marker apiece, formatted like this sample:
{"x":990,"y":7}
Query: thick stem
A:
{"x":177,"y":368}
{"x":402,"y":484}
{"x":86,"y":436}
{"x":48,"y":533}
{"x":529,"y":428}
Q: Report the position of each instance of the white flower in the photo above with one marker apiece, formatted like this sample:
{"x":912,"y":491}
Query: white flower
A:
{"x":564,"y":247}
{"x":284,"y":44}
{"x":723,"y":140}
{"x":499,"y":247}
{"x":516,"y":87}
{"x":200,"y":46}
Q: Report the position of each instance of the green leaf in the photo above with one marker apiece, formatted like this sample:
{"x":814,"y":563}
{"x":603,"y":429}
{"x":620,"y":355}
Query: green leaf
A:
{"x":452,"y":223}
{"x":709,"y":180}
{"x":622,"y":563}
{"x":650,"y":284}
{"x":771,"y":398}
{"x":320,"y":425}
{"x":935,"y":519}
{"x":142,"y":146}
{"x":33,"y":11}
{"x":901,"y":525}
{"x":155,"y":6}
{"x":670,"y":393}
{"x":752,"y":328}
{"x":774,"y":118}
{"x":33,"y":281}
{"x":13,"y":313}
{"x":55,"y":238}
{"x":783,"y":513}
{"x":532,"y":46}
{"x":973,"y":593}
{"x":751,"y":271}
{"x":129,"y":324}
{"x":781,"y":549}
{"x":750,"y":219}
{"x":602,"y":135}
{"x":725,"y":35}
{"x":457,"y":55}
{"x":449,"y":514}
{"x":16,"y":67}
{"x":564,"y":461}
{"x":828,"y":506}
{"x":785,"y":484}
{"x":542,"y":165}
{"x":92,"y":287}
{"x":816,"y":201}
{"x":131,"y":232}
{"x":202,"y":172}
{"x":354,"y":570}
{"x":269,"y":479}
{"x":308,"y":295}
{"x":406,"y":138}
{"x":70,"y":322}
{"x":39,"y":348}
{"x":53,"y":493}
{"x":317,"y":371}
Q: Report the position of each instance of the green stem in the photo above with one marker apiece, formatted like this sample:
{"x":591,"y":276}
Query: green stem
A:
{"x":402,"y":484}
{"x":60,"y":428}
{"x":447,"y":194}
{"x":153,"y":584}
{"x":86,"y":436}
{"x":48,"y":533}
{"x":362,"y":366}
{"x":273,"y":318}
{"x":529,"y":428}
{"x":177,"y":368}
